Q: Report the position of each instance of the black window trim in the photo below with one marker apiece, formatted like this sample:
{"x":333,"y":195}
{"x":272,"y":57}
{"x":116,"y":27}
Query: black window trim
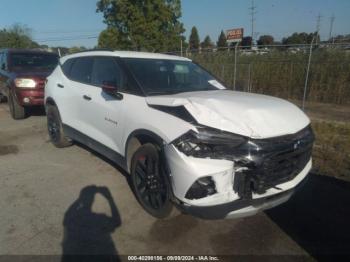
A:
{"x":119,"y":63}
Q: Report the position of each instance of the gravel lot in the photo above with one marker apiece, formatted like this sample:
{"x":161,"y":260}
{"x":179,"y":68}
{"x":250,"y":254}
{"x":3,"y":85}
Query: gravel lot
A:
{"x":43,"y":191}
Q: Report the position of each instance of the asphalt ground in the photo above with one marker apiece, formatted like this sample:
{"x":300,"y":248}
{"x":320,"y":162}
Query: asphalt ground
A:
{"x":68,"y":201}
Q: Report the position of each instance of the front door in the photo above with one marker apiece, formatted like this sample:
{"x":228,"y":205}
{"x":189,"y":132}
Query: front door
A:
{"x":102,"y":114}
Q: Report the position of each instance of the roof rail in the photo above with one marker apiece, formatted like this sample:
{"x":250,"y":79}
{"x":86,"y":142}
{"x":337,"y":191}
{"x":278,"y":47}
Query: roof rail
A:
{"x":94,"y":50}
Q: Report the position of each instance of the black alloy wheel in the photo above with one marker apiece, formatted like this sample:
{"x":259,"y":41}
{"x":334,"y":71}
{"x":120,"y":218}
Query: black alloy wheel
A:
{"x":55,"y":129}
{"x":149,"y":182}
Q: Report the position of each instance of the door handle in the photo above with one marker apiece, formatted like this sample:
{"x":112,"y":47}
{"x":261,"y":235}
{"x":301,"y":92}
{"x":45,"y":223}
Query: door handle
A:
{"x":86,"y":97}
{"x":60,"y":85}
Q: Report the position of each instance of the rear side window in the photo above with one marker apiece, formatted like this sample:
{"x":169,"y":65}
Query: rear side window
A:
{"x":3,"y":63}
{"x":67,"y":66}
{"x":81,"y":70}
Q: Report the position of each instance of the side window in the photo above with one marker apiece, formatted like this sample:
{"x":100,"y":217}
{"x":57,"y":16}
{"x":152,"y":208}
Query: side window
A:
{"x":67,"y":66}
{"x":106,"y":69}
{"x":81,"y":70}
{"x":4,"y":61}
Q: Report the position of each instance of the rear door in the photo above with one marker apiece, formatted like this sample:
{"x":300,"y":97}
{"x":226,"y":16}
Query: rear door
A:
{"x":73,"y":104}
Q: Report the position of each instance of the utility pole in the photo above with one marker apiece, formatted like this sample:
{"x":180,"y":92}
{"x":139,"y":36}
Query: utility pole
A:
{"x":307,"y":73}
{"x":181,"y":47}
{"x":252,"y":13}
{"x":331,"y":27}
{"x":318,"y":27}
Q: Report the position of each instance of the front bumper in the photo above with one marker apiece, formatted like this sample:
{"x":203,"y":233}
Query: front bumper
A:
{"x":33,"y":97}
{"x":242,"y":207}
{"x":226,"y":203}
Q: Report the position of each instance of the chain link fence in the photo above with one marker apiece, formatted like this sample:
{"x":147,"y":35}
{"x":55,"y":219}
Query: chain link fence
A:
{"x":315,"y":76}
{"x":303,"y":72}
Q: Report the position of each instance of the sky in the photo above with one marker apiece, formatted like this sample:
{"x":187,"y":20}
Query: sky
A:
{"x":76,"y":23}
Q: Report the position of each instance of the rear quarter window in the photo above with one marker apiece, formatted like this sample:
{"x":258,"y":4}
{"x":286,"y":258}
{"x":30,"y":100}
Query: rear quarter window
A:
{"x":67,"y":66}
{"x":81,"y":70}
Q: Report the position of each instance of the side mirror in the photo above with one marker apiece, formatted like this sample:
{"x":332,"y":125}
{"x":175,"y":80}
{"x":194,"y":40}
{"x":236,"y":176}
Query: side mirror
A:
{"x":111,"y":89}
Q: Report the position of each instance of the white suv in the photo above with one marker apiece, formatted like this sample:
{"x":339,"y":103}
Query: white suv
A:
{"x":182,"y":136}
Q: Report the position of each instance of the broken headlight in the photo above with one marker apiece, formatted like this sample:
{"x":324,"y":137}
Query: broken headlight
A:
{"x":209,"y":142}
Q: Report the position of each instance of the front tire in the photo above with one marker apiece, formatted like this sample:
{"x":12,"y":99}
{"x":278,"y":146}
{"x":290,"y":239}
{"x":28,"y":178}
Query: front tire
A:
{"x":149,"y":182}
{"x":55,"y":129}
{"x":17,"y":111}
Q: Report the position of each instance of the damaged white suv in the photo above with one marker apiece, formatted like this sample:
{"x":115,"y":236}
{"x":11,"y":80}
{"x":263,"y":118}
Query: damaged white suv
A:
{"x":184,"y":139}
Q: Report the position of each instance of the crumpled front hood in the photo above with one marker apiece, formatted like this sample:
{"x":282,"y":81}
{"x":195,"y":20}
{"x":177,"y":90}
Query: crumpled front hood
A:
{"x":252,"y":115}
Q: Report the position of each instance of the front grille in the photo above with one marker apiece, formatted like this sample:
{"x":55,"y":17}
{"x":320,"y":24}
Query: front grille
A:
{"x":283,"y":167}
{"x":279,"y":160}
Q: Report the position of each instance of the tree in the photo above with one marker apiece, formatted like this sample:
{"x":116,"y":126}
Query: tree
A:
{"x":110,"y":38}
{"x":300,"y":38}
{"x":222,"y":40}
{"x":194,"y":39}
{"x":151,"y":25}
{"x":17,"y":36}
{"x":340,"y":38}
{"x":207,"y":43}
{"x":246,"y":42}
{"x":76,"y":49}
{"x":265,"y":40}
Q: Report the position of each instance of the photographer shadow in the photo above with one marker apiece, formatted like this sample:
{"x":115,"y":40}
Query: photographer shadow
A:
{"x":87,"y":235}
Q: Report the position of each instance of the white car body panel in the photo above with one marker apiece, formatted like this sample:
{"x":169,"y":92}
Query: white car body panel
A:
{"x":111,"y":122}
{"x":143,"y":117}
{"x":251,"y":115}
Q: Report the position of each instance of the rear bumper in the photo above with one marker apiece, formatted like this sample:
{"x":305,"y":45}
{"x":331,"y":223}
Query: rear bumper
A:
{"x":30,"y":97}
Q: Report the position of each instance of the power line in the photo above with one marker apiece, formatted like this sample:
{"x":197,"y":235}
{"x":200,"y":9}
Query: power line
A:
{"x":59,"y":31}
{"x":57,"y":39}
{"x":65,"y":38}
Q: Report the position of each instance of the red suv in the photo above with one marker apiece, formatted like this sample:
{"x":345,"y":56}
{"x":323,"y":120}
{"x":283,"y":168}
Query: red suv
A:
{"x":22,"y":78}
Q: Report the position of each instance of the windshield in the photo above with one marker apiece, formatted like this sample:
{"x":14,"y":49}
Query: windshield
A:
{"x":161,"y":77}
{"x":33,"y":61}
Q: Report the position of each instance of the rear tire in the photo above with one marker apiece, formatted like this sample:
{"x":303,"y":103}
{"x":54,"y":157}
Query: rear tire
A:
{"x":55,"y":128}
{"x":2,"y":98}
{"x":149,"y":182}
{"x":17,"y":111}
